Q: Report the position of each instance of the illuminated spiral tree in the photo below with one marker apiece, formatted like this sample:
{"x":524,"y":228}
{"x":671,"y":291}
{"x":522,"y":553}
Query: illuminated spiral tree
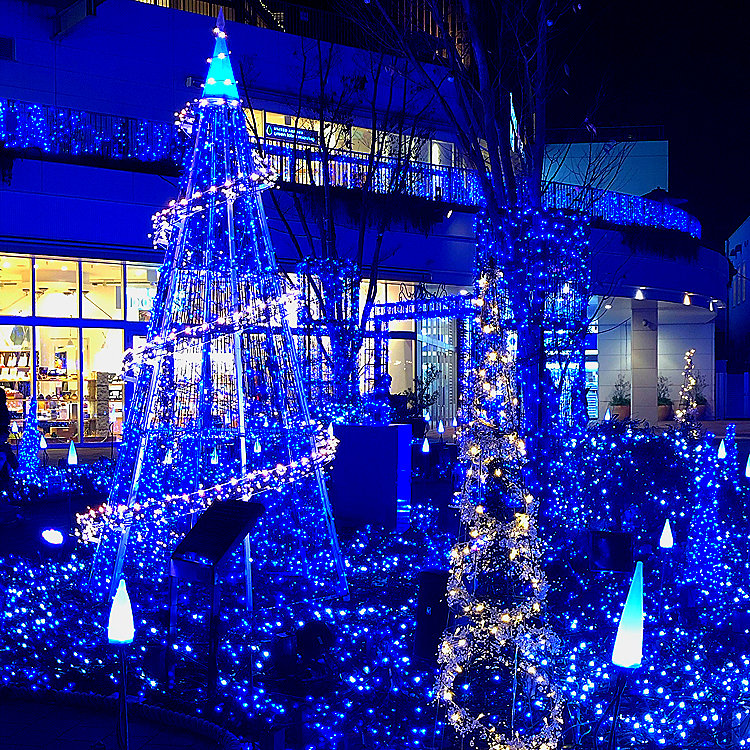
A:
{"x":495,"y":660}
{"x":219,"y":410}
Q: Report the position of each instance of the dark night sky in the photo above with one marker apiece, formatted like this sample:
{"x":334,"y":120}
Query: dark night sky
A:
{"x":683,"y":65}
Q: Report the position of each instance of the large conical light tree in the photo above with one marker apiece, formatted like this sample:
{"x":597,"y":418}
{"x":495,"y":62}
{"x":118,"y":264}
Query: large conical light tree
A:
{"x":218,"y":409}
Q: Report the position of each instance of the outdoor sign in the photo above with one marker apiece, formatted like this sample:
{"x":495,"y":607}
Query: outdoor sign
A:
{"x":289,"y":133}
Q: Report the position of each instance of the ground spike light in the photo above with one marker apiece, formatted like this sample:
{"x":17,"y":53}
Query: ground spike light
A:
{"x":607,"y":415}
{"x":666,"y":540}
{"x":120,"y":632}
{"x":628,"y":648}
{"x":747,"y":468}
{"x":425,"y":446}
{"x":721,"y":453}
{"x":72,"y":455}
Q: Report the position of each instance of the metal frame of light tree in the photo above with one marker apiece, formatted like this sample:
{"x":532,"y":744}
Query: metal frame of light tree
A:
{"x":220,"y":311}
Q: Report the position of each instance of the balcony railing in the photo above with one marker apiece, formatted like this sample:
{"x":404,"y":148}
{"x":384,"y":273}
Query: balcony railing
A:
{"x":620,"y":209}
{"x":73,"y":135}
{"x":303,"y":165}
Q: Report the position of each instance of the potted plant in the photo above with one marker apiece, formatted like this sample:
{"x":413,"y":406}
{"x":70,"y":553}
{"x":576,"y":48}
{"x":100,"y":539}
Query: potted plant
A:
{"x":619,"y":401}
{"x":700,"y":395}
{"x":663,"y":399}
{"x":413,"y":403}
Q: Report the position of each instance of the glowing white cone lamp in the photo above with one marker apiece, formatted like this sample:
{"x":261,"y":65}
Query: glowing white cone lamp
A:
{"x":72,"y":455}
{"x":120,"y":628}
{"x":426,"y":446}
{"x":721,"y":454}
{"x":607,"y":415}
{"x":666,"y":540}
{"x":628,"y":650}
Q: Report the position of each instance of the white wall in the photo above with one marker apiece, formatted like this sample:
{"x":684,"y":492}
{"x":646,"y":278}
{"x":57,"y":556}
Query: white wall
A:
{"x":674,"y":340}
{"x":613,"y":343}
{"x":634,"y":168}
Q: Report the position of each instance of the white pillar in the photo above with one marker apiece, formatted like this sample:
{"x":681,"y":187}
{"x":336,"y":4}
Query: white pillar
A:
{"x":643,"y":360}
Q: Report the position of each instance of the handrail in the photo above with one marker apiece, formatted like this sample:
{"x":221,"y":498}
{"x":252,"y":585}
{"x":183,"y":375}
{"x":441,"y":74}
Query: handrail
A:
{"x":76,"y":135}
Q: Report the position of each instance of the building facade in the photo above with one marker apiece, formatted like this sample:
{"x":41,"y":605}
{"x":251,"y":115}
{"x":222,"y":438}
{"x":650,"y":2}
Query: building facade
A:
{"x":88,"y":153}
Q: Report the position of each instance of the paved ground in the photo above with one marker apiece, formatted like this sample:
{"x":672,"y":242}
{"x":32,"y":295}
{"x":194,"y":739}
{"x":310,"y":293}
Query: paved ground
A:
{"x":25,"y":725}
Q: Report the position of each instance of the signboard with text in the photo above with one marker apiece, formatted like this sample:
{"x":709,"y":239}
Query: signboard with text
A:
{"x":289,"y":133}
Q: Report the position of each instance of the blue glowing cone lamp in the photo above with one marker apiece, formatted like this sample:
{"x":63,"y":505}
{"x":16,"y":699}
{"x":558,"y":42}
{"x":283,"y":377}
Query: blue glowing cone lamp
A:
{"x":120,"y":629}
{"x":220,"y":80}
{"x":426,"y":446}
{"x":607,"y":415}
{"x":441,"y":427}
{"x":72,"y":455}
{"x":628,"y":650}
{"x":747,"y":468}
{"x":666,"y":540}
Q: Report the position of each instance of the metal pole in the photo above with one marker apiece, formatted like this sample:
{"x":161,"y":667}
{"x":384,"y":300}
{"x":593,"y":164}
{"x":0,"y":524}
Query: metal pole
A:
{"x":122,"y":703}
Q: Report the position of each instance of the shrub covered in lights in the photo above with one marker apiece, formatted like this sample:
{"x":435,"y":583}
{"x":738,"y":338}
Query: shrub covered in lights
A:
{"x":693,"y":682}
{"x":322,"y":671}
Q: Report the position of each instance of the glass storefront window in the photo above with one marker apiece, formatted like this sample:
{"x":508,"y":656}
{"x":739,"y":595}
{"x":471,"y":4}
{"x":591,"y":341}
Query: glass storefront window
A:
{"x":361,"y":139}
{"x":101,"y":287}
{"x":57,"y":383}
{"x":141,"y":291}
{"x":15,"y":285}
{"x":442,"y":153}
{"x":103,"y":387}
{"x":15,"y":370}
{"x":56,"y":288}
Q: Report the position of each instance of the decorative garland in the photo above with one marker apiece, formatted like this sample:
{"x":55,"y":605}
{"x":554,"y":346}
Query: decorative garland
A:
{"x":91,"y":523}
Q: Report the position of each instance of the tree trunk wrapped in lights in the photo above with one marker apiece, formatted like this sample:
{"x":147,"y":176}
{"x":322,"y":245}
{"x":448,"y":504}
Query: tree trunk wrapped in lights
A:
{"x":328,"y":316}
{"x":219,"y":409}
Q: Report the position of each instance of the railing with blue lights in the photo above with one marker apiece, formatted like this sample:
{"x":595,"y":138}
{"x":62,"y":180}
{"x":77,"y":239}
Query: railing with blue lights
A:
{"x":620,"y":209}
{"x":68,"y":133}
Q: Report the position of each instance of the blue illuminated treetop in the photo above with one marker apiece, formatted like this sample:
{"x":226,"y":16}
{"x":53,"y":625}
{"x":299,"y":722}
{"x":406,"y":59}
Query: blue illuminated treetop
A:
{"x":220,"y":80}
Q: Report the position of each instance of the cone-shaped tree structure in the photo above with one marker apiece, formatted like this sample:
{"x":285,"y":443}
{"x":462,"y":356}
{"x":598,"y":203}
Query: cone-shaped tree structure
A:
{"x":31,"y":442}
{"x":218,"y":410}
